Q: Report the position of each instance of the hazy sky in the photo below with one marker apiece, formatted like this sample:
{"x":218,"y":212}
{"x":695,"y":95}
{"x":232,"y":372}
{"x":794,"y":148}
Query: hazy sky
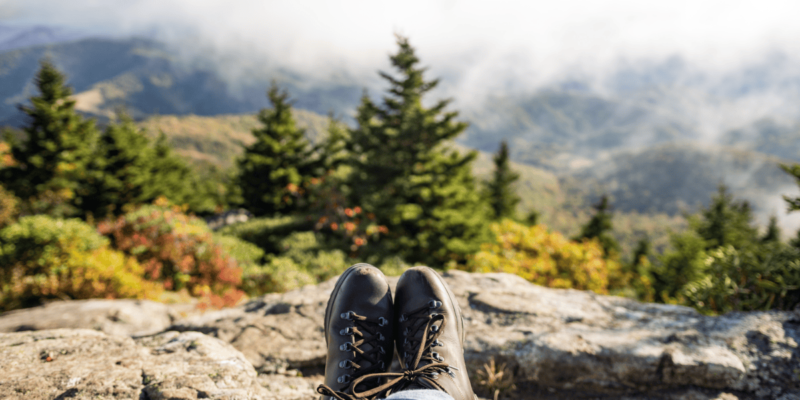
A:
{"x":525,"y":42}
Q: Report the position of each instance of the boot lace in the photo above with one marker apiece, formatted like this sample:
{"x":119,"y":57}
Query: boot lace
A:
{"x":364,"y":332}
{"x":421,"y":365}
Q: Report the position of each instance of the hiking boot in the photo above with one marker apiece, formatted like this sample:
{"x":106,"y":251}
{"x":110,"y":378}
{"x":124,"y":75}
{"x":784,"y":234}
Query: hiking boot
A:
{"x":358,"y":332}
{"x":429,"y":335}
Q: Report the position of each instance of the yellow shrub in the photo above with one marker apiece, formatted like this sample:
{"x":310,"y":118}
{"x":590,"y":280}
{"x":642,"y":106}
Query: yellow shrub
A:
{"x":45,"y":258}
{"x":545,"y":258}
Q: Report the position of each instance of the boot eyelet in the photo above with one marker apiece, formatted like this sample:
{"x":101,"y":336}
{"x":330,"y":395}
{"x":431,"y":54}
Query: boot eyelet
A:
{"x":383,"y":365}
{"x":346,"y":331}
{"x":405,"y":341}
{"x":345,"y":364}
{"x":402,"y":318}
{"x":434,"y":315}
{"x":344,"y":379}
{"x":405,"y":331}
{"x":437,"y":357}
{"x":382,"y":321}
{"x":346,"y":347}
{"x":381,"y":337}
{"x":381,"y":350}
{"x":435,"y":328}
{"x":347,"y":315}
{"x":434,"y":304}
{"x":437,"y":342}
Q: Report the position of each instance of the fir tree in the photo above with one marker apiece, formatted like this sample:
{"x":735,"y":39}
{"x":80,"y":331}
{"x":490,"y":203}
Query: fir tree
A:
{"x":726,"y":222}
{"x":793,"y":203}
{"x":173,"y":178}
{"x":532,"y":218}
{"x":52,"y":160}
{"x":600,"y":227}
{"x":641,"y":253}
{"x":500,"y":190}
{"x":277,"y":167}
{"x":121,"y":171}
{"x":403,"y":172}
{"x":773,"y":233}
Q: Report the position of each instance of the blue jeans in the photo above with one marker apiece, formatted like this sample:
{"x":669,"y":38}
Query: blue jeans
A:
{"x":420,"y":395}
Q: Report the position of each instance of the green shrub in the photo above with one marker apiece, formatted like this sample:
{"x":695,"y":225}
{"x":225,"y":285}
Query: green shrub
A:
{"x":736,"y":280}
{"x":47,"y":258}
{"x":303,"y":260}
{"x":267,"y":233}
{"x":245,"y":253}
{"x":295,"y":254}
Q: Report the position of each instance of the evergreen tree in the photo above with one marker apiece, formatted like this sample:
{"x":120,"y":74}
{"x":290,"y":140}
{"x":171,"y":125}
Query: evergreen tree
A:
{"x":403,"y":172}
{"x":773,"y":233}
{"x":173,"y":178}
{"x":121,"y":171}
{"x":793,"y":203}
{"x":679,"y":267}
{"x":642,"y":252}
{"x":600,"y":227}
{"x":638,"y":275}
{"x":532,"y":218}
{"x":726,"y":222}
{"x":52,"y":160}
{"x":277,"y":167}
{"x":332,"y":151}
{"x":500,"y":190}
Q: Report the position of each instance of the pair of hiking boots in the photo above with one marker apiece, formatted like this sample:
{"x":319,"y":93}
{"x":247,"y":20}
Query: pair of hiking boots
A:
{"x":363,"y":324}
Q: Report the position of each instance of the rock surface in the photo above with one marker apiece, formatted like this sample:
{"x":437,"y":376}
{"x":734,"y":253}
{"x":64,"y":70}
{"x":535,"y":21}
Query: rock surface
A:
{"x":114,"y":317}
{"x":556,"y":343}
{"x":565,"y":343}
{"x":87,"y":364}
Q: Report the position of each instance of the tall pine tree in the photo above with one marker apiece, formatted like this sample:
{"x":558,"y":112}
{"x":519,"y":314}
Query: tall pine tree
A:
{"x":403,"y":172}
{"x":121,"y":170}
{"x":173,"y":178}
{"x":600,"y":227}
{"x":726,"y":222}
{"x":500,"y":190}
{"x":276,"y":168}
{"x":52,"y":161}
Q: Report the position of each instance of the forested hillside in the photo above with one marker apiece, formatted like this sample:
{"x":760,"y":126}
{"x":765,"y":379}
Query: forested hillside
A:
{"x":105,"y":177}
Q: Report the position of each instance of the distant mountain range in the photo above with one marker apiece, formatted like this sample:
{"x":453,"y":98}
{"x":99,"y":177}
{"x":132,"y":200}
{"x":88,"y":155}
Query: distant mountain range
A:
{"x":147,"y":79}
{"x":15,"y":37}
{"x":658,"y":138}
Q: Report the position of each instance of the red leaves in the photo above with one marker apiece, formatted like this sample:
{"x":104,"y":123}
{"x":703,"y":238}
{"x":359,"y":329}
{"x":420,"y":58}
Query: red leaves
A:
{"x":177,"y":250}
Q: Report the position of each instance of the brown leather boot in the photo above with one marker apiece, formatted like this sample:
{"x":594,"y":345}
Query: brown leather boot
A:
{"x":358,"y":332}
{"x":429,"y":335}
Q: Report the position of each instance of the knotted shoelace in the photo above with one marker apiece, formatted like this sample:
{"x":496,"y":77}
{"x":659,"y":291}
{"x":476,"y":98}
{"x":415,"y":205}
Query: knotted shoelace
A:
{"x":421,"y":350}
{"x":365,"y":332}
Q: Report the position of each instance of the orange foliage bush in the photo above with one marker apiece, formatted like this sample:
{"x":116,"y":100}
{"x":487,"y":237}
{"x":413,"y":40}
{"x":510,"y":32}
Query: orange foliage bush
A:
{"x":545,"y":258}
{"x":177,"y":250}
{"x":332,"y":215}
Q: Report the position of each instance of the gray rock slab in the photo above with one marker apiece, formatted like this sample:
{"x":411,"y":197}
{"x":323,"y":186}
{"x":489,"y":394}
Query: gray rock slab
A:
{"x":567,"y":341}
{"x":87,"y":364}
{"x":114,"y":317}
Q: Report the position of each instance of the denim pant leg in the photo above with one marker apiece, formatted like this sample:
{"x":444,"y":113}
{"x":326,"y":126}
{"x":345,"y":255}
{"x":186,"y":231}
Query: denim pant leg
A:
{"x":420,"y":394}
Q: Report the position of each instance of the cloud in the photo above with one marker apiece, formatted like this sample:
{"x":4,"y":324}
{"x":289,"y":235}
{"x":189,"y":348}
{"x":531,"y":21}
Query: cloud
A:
{"x":527,"y":43}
